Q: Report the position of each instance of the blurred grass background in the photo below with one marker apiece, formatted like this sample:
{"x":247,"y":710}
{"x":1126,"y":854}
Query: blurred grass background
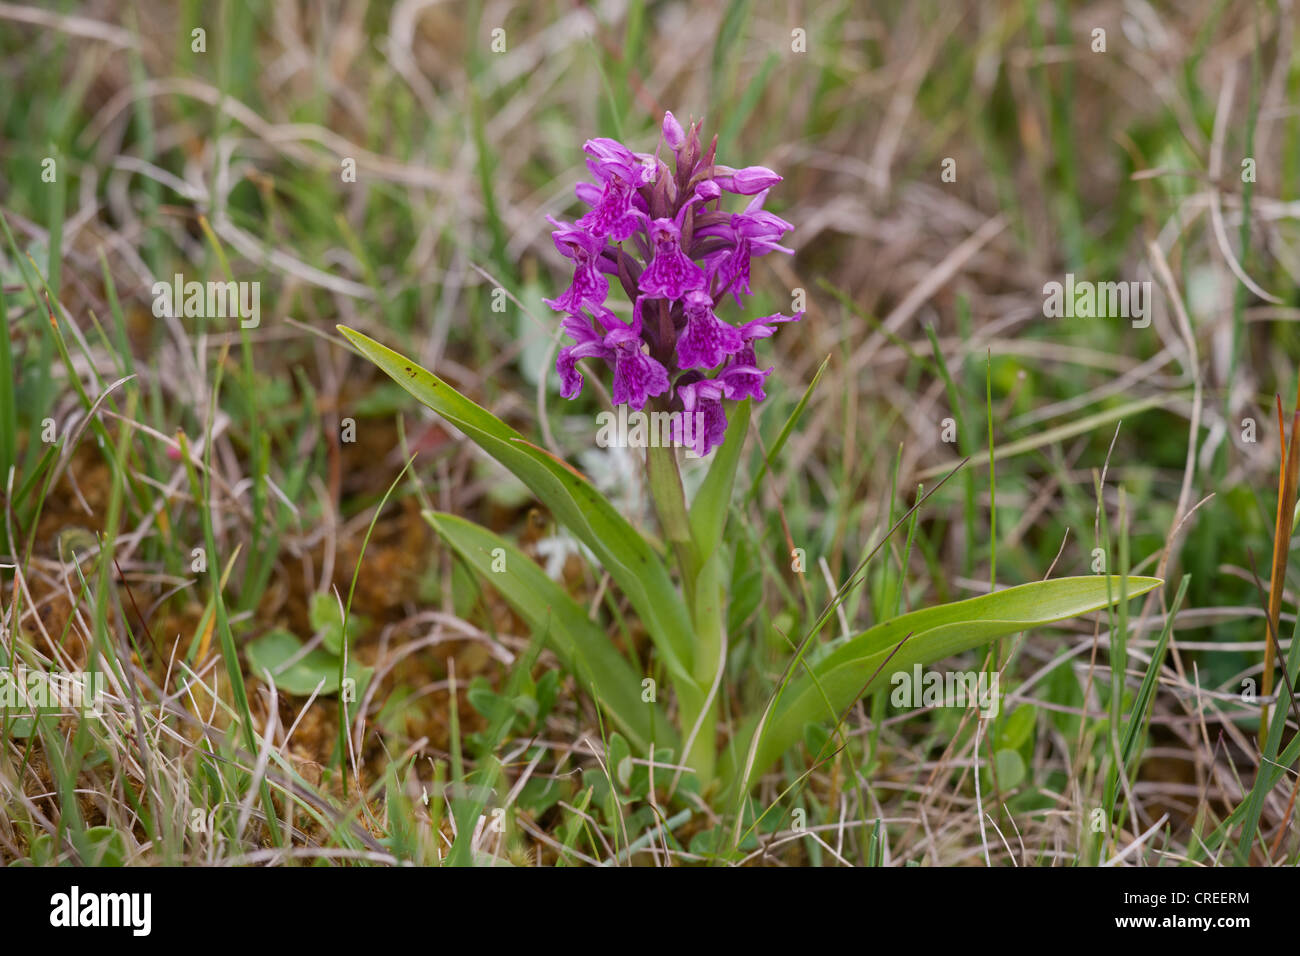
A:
{"x":223,"y":153}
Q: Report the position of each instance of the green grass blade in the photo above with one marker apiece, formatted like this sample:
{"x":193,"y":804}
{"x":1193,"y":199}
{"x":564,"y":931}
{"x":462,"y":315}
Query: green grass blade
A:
{"x":786,"y":429}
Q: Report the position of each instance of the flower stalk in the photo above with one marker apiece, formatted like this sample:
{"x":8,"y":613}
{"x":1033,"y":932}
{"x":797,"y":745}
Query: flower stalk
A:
{"x":664,"y":480}
{"x":704,"y":601}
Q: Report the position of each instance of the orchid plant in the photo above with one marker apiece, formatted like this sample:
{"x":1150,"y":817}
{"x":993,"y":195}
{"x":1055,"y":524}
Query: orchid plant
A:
{"x":664,"y":235}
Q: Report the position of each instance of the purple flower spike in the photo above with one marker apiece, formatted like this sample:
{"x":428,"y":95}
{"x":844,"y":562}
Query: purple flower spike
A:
{"x":676,"y":252}
{"x":671,"y":273}
{"x":706,"y":340}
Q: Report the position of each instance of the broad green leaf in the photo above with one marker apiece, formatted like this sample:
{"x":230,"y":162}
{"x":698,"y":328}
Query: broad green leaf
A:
{"x":20,"y":727}
{"x":546,"y":692}
{"x":858,"y":666}
{"x":622,"y":551}
{"x":583,"y":648}
{"x":277,"y":651}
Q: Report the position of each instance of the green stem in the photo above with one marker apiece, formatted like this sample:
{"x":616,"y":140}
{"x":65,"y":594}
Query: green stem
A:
{"x":704,"y":602}
{"x":665,"y":483}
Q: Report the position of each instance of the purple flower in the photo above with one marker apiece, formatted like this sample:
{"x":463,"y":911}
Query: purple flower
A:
{"x":706,"y":191}
{"x":675,"y":251}
{"x":754,"y":232}
{"x":743,"y":381}
{"x":671,"y":274}
{"x":613,"y":215}
{"x":588,"y":285}
{"x":622,"y":172}
{"x":759,"y":329}
{"x":706,"y":340}
{"x":637,"y":376}
{"x":588,"y":344}
{"x":747,"y":181}
{"x":611,"y":158}
{"x":702,"y":426}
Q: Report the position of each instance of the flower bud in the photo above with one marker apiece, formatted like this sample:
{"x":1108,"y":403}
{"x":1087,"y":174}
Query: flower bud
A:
{"x":673,"y":133}
{"x":747,"y":181}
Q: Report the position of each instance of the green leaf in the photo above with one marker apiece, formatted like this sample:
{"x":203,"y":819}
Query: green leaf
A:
{"x":583,"y":648}
{"x":107,"y":847}
{"x":618,"y":758}
{"x":858,"y":666}
{"x":277,"y":651}
{"x":326,"y":616}
{"x":43,"y":851}
{"x":487,"y":701}
{"x":548,"y":689}
{"x":746,"y":591}
{"x":1136,"y":724}
{"x":574,"y":502}
{"x":20,"y":727}
{"x":713,"y":500}
{"x":639,"y":780}
{"x":1010,"y":767}
{"x":816,"y":737}
{"x":1017,"y":728}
